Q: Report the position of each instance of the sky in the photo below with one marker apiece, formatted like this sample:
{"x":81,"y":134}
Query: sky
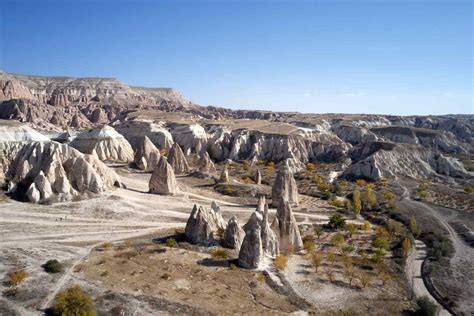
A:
{"x":361,"y":56}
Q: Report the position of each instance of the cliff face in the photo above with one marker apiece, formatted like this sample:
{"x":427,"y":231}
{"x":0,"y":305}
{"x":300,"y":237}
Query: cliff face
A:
{"x":166,"y":118}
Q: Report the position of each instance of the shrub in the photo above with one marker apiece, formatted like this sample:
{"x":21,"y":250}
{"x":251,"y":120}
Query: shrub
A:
{"x":229,"y":191}
{"x":366,"y":226}
{"x":337,"y":221}
{"x":308,"y":243}
{"x":318,"y":230}
{"x":261,"y":277}
{"x":73,"y":301}
{"x":337,"y":203}
{"x":365,"y":279}
{"x":406,"y":246}
{"x":337,"y":240}
{"x":381,"y":243}
{"x":425,"y":307}
{"x":361,"y":182}
{"x":127,"y":244}
{"x":281,"y":262}
{"x":232,"y":266}
{"x":220,"y":254}
{"x":316,"y":260}
{"x":171,"y":242}
{"x":52,"y":266}
{"x":469,"y":189}
{"x":351,"y":229}
{"x":16,"y":277}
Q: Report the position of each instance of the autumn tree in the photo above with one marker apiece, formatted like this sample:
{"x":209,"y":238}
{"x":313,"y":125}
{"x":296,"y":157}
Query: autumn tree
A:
{"x":337,"y":240}
{"x":406,"y":246}
{"x":413,"y":226}
{"x":73,"y":301}
{"x":370,"y":199}
{"x":316,"y":259}
{"x":351,"y":229}
{"x":356,"y":202}
{"x":350,"y":273}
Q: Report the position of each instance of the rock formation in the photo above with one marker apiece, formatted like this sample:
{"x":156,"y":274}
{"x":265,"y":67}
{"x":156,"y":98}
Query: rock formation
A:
{"x":53,"y":171}
{"x":147,"y":155}
{"x":206,"y":165}
{"x":251,"y":252}
{"x":257,"y":178}
{"x":254,"y":249}
{"x":203,"y":226}
{"x":105,"y":143}
{"x":261,"y":203}
{"x":286,"y":228}
{"x":284,"y":187}
{"x":177,"y":160}
{"x":233,"y":235}
{"x":162,"y":179}
{"x":134,"y":130}
{"x":224,"y":178}
{"x":375,"y":160}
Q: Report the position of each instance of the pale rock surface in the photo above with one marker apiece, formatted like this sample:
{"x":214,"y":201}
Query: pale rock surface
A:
{"x":134,"y":131}
{"x":177,"y":159}
{"x":257,"y":178}
{"x":251,"y":254}
{"x":204,"y":225}
{"x":105,"y":143}
{"x":284,"y":187}
{"x":191,"y":137}
{"x":33,"y":194}
{"x":147,"y":155}
{"x":224,"y":178}
{"x":287,"y":229}
{"x":234,"y":234}
{"x":58,"y":171}
{"x":163,"y":180}
{"x":206,"y":165}
{"x":261,"y":203}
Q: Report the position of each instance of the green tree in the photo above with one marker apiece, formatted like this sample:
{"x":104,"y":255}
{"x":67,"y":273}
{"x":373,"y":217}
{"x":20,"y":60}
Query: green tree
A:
{"x":318,"y":230}
{"x":337,"y":221}
{"x":337,"y":240}
{"x":381,"y":243}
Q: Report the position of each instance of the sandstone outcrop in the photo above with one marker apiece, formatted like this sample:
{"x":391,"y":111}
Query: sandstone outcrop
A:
{"x":224,"y":178}
{"x":134,"y":130}
{"x":284,"y":187}
{"x":57,"y":172}
{"x":286,"y":228}
{"x":177,"y":160}
{"x":163,"y":180}
{"x":255,"y":248}
{"x":147,"y":155}
{"x":376,"y":160}
{"x":105,"y":143}
{"x":257,"y":178}
{"x":206,"y":165}
{"x":251,"y":252}
{"x":203,"y":226}
{"x":233,"y":235}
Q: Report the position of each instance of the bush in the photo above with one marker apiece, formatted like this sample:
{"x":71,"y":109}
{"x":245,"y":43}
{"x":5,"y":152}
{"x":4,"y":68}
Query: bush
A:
{"x":220,"y":254}
{"x":337,"y":221}
{"x":337,"y":240}
{"x":171,"y":242}
{"x":52,"y":266}
{"x":16,"y":277}
{"x":73,"y":301}
{"x":425,"y":307}
{"x":127,"y":244}
{"x":281,"y":262}
{"x":232,"y":266}
{"x":308,"y":243}
{"x":469,"y":189}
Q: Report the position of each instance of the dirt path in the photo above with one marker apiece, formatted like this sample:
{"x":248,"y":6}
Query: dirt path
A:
{"x":413,"y":272}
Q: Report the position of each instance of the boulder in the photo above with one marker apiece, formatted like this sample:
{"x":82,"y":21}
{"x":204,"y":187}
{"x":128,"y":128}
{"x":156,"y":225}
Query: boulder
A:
{"x":162,"y":179}
{"x":284,"y":187}
{"x":147,"y":155}
{"x":287,"y":229}
{"x":233,"y":235}
{"x":177,"y":159}
{"x":203,"y":226}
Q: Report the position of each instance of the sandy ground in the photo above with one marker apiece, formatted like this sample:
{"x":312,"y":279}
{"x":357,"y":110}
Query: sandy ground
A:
{"x":32,"y":234}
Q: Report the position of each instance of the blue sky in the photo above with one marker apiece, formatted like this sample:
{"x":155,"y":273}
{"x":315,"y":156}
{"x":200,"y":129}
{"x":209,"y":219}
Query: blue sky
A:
{"x":393,"y":57}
